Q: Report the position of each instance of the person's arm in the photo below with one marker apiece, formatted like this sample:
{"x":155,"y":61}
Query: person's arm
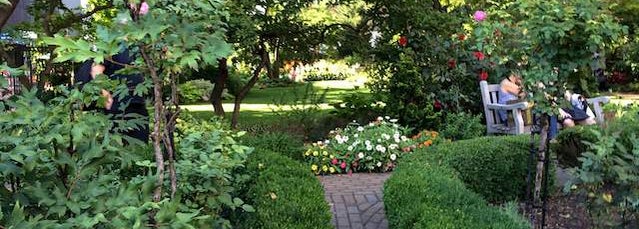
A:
{"x":511,"y":88}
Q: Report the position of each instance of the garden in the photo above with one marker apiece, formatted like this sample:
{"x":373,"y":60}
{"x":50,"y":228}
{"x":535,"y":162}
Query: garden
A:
{"x":314,"y":114}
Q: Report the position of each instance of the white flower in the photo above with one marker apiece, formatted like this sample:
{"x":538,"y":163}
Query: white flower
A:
{"x":385,"y":136}
{"x":380,"y":148}
{"x":369,"y":147}
{"x":345,"y":138}
{"x":404,"y":138}
{"x":350,"y":148}
{"x":379,"y":140}
{"x":331,"y":132}
{"x":327,"y":142}
{"x":395,"y":125}
{"x":379,"y":164}
{"x":393,"y":120}
{"x":380,"y":118}
{"x":386,"y":117}
{"x":393,"y":157}
{"x":397,"y":140}
{"x":393,"y":146}
{"x":360,"y":155}
{"x":371,"y":124}
{"x":367,"y":142}
{"x":396,"y":135}
{"x":360,"y":129}
{"x":356,"y":135}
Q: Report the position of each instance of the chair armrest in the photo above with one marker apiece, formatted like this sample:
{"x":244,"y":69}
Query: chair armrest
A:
{"x":520,"y":106}
{"x":600,"y":99}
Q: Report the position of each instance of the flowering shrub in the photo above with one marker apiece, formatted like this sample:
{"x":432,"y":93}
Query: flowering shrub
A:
{"x":425,"y":139}
{"x":373,"y":148}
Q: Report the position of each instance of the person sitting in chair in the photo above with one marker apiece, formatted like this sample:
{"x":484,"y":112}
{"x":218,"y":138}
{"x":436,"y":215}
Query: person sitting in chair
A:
{"x":510,"y":91}
{"x":578,"y":113}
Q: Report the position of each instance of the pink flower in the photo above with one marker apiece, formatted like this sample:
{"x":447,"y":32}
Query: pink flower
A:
{"x":343,"y":165}
{"x":144,"y":8}
{"x":334,"y":161}
{"x":480,"y":16}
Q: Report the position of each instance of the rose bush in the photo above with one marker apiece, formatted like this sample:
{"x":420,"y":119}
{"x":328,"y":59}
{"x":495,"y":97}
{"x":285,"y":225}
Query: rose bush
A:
{"x":372,"y":148}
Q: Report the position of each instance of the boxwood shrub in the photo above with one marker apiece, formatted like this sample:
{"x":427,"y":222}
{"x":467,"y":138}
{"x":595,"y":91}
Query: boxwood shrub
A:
{"x":284,"y":194}
{"x":431,"y":196}
{"x":450,"y":185}
{"x":285,"y":144}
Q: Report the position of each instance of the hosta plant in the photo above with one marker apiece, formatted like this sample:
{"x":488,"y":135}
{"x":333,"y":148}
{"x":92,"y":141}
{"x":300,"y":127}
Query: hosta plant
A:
{"x":360,"y":148}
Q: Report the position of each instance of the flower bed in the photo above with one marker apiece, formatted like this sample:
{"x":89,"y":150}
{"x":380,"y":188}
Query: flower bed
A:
{"x":370,"y":148}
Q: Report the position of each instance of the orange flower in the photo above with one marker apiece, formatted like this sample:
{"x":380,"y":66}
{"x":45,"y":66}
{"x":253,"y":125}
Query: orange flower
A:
{"x":428,"y":142}
{"x":433,"y":134}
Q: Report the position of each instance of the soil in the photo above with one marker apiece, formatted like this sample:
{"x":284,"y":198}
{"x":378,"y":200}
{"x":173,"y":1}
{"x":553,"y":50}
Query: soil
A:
{"x":567,"y":211}
{"x":564,"y":212}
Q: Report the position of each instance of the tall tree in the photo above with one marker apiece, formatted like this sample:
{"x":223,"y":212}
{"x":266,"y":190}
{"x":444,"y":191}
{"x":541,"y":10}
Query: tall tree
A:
{"x":265,"y":33}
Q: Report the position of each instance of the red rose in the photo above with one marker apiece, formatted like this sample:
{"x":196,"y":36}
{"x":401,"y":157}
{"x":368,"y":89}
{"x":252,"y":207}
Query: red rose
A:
{"x":403,"y":41}
{"x":452,"y":63}
{"x":343,"y":165}
{"x":479,"y":55}
{"x":437,"y":105}
{"x":334,"y":161}
{"x":461,"y":37}
{"x":483,"y":75}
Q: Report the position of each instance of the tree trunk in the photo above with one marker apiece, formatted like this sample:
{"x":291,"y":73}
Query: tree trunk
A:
{"x":220,"y":84}
{"x":157,"y":124}
{"x":245,"y":90}
{"x":6,"y":12}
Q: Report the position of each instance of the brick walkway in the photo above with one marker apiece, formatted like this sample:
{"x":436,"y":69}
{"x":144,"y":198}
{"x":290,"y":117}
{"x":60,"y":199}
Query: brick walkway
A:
{"x":356,"y":201}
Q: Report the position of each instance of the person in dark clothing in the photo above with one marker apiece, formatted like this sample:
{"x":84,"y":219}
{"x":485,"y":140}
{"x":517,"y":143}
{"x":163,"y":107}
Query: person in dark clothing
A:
{"x":120,"y":108}
{"x":131,"y":103}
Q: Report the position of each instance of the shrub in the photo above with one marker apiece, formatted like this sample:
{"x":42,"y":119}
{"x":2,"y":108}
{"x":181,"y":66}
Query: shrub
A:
{"x":494,"y":167}
{"x":195,"y":91}
{"x":286,"y":144}
{"x":285,"y":195}
{"x":460,"y":126}
{"x":431,"y":196}
{"x":608,"y":173}
{"x":279,"y":82}
{"x":359,"y":107}
{"x":570,"y":144}
{"x":373,"y":148}
{"x":447,"y":186}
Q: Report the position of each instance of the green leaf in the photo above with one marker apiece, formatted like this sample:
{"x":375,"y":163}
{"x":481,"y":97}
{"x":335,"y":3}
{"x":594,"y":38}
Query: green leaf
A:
{"x":248,"y":208}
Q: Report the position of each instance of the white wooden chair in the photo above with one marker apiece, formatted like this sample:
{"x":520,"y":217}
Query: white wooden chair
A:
{"x":489,"y":95}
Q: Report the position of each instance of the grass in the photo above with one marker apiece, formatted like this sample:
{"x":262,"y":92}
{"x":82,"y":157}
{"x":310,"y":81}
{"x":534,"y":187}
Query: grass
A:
{"x":259,"y":102}
{"x":258,"y":106}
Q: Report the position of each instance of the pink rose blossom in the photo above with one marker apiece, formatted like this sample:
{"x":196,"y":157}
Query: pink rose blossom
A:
{"x":480,"y":16}
{"x":144,"y":8}
{"x":343,"y":165}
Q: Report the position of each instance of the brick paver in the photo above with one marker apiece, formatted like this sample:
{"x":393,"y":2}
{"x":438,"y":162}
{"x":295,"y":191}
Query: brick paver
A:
{"x":356,"y":200}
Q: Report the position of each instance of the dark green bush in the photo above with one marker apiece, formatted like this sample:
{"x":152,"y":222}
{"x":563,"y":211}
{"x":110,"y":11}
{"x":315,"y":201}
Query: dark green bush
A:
{"x":195,"y":91}
{"x":494,"y":167}
{"x":431,"y":196}
{"x":448,"y":185}
{"x":460,"y":126}
{"x":284,"y":193}
{"x":286,"y":144}
{"x":570,"y":145}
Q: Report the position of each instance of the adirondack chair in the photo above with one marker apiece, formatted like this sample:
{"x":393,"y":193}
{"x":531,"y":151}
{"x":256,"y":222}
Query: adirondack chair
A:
{"x":490,"y":93}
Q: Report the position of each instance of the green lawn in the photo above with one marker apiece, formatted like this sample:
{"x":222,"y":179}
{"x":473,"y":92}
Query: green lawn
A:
{"x":258,"y":105}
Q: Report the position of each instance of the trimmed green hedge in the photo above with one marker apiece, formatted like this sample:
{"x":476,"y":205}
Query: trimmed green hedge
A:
{"x":450,"y":185}
{"x":283,"y":143}
{"x":284,"y":194}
